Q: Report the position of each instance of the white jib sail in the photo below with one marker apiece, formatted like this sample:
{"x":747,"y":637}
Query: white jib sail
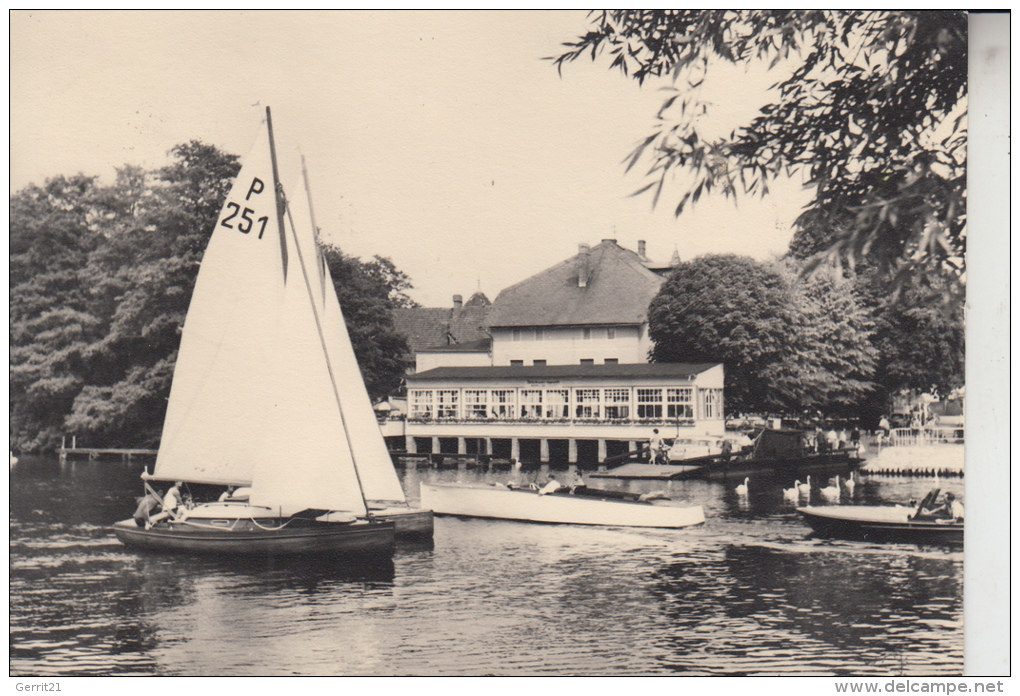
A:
{"x":219,"y":408}
{"x":311,"y":466}
{"x":378,"y":476}
{"x":379,"y":479}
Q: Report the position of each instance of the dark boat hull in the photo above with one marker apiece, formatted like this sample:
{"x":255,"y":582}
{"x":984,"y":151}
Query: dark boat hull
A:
{"x":880,"y":524}
{"x":830,"y":463}
{"x":409,"y":523}
{"x":298,"y":537}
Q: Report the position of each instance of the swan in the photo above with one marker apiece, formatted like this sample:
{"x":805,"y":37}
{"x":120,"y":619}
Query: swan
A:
{"x":831,"y":491}
{"x":792,"y":493}
{"x":805,"y":488}
{"x":742,"y":488}
{"x":850,"y":483}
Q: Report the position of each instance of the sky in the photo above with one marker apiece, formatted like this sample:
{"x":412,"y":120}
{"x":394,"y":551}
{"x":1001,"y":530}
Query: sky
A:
{"x":441,"y":140}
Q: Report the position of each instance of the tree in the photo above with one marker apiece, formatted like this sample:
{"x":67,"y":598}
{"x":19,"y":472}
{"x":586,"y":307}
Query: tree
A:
{"x":871,"y":109}
{"x":920,"y":339}
{"x":788,"y":345}
{"x":52,"y":317}
{"x":368,"y":293}
{"x":146,"y":271}
{"x":830,"y":360}
{"x":727,"y":309}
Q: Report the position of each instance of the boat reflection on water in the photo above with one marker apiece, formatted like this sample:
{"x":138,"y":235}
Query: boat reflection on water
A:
{"x":279,"y":573}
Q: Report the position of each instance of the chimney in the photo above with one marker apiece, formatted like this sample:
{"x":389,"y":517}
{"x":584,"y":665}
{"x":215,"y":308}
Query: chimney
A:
{"x":583,"y":255}
{"x":641,"y":248}
{"x":458,"y":302}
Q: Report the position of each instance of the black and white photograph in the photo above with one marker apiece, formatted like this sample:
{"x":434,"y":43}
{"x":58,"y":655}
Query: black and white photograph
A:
{"x":418,"y":343}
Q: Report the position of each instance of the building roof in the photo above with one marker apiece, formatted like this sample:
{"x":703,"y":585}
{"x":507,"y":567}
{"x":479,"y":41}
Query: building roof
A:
{"x":626,"y":370}
{"x":442,"y":327}
{"x":618,"y":290}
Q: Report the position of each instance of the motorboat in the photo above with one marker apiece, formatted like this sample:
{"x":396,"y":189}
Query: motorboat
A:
{"x":577,"y":505}
{"x":881,"y":523}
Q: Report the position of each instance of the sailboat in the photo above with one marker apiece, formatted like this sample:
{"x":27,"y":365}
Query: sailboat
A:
{"x":267,"y":397}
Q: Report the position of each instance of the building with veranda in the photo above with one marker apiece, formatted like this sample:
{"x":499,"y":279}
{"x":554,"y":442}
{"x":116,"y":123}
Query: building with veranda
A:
{"x":564,"y":375}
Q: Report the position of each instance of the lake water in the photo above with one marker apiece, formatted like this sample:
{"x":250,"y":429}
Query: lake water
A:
{"x":749,"y":592}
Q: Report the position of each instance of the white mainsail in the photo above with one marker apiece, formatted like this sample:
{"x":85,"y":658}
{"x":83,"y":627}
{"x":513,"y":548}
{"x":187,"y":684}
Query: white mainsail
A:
{"x":253,"y":400}
{"x":220,"y":401}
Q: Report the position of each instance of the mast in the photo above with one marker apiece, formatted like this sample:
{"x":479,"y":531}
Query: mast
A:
{"x":278,"y":192}
{"x":315,"y":232}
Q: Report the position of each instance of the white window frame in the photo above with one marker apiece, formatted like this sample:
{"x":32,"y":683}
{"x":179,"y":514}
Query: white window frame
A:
{"x":531,"y":403}
{"x":649,"y":403}
{"x":503,"y":403}
{"x":421,"y":404}
{"x":588,"y":402}
{"x":476,"y":403}
{"x":677,"y":406}
{"x":616,"y":403}
{"x":447,"y":403}
{"x":712,"y":404}
{"x":558,"y":407}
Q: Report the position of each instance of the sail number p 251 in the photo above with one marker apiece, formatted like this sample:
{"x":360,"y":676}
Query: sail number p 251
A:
{"x":246,"y":222}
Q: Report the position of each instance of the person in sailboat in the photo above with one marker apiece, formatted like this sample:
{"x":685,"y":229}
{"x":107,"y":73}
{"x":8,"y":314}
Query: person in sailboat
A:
{"x":146,"y":504}
{"x":227,"y":494}
{"x":173,"y":503}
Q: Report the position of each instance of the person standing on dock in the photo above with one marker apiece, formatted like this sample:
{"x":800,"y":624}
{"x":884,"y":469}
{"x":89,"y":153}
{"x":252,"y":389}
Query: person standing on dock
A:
{"x":655,"y":448}
{"x":883,"y":430}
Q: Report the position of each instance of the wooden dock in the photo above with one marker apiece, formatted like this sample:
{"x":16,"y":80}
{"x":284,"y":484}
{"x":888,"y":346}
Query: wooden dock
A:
{"x":97,"y":452}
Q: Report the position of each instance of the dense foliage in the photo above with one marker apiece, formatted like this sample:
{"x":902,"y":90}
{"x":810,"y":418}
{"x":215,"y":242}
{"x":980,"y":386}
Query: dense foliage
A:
{"x":100,"y":281}
{"x":869,"y":107}
{"x":791,"y":343}
{"x":368,"y":293}
{"x":726,"y":309}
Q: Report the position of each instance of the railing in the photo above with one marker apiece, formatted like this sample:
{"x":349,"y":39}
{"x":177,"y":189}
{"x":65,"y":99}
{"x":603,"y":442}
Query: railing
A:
{"x":651,"y":422}
{"x":927,"y":436}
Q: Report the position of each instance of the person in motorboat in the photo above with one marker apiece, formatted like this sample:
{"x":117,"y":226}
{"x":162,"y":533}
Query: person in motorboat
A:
{"x":551,"y":487}
{"x":726,"y":450}
{"x":578,"y":481}
{"x":949,"y":510}
{"x":955,"y":507}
